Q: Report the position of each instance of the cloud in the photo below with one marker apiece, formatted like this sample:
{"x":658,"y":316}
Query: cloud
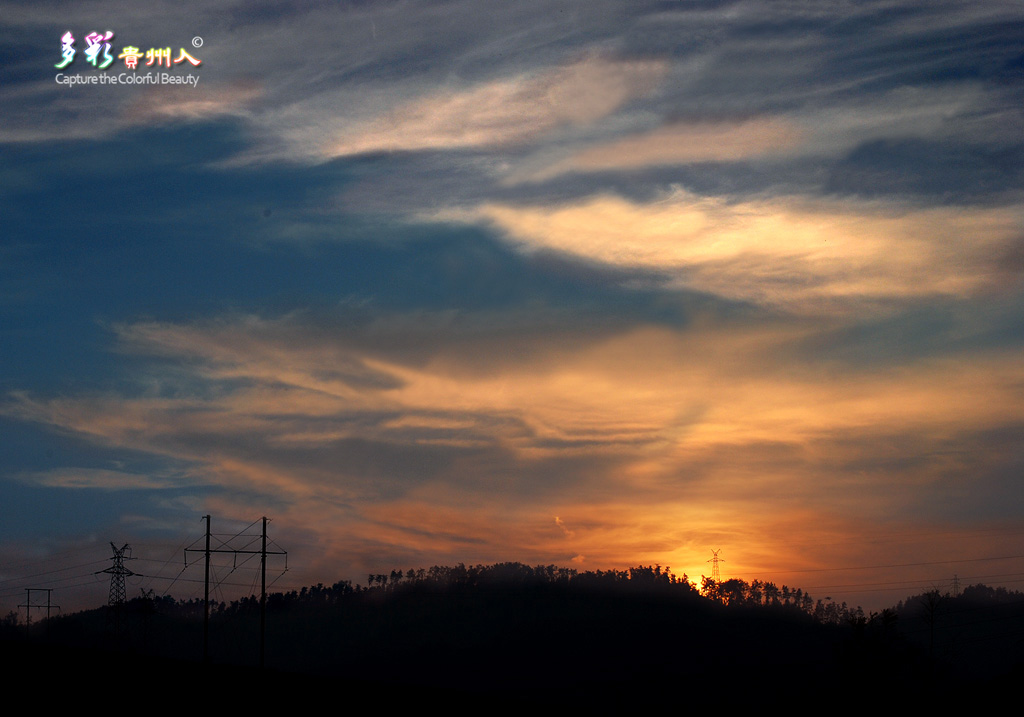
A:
{"x":190,"y":103}
{"x":651,"y":442}
{"x":629,"y":411}
{"x":935,"y":114}
{"x":42,"y":113}
{"x":506,"y":111}
{"x":864,"y":369}
{"x":100,"y":479}
{"x":682,"y":143}
{"x":779,"y":250}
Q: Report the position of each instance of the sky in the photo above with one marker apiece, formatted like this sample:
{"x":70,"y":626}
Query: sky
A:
{"x":594,"y":284}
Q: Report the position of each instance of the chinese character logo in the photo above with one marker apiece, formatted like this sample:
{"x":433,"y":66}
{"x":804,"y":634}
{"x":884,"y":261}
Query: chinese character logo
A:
{"x":96,"y":42}
{"x":185,"y":56}
{"x":158,"y":55}
{"x":67,"y":49}
{"x":98,"y":53}
{"x":131,"y":56}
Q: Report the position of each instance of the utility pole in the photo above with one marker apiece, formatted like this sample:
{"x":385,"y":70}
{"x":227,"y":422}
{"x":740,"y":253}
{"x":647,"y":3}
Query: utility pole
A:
{"x":263,"y":595}
{"x":29,"y":604}
{"x":263,"y":553}
{"x":932,"y":601}
{"x":206,"y":598}
{"x":206,"y":590}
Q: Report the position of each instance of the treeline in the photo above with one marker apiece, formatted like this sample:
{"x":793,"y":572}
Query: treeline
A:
{"x":642,"y":579}
{"x":533,"y":631}
{"x":514,"y":576}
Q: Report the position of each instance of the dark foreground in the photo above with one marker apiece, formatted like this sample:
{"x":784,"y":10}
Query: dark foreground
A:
{"x":530,"y":643}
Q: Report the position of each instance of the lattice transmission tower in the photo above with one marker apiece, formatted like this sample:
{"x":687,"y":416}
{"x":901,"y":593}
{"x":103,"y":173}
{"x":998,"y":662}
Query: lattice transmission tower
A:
{"x":118,"y":572}
{"x":714,"y":560}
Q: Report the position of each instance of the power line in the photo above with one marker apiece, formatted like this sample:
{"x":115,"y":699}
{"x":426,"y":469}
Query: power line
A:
{"x":28,"y":604}
{"x":51,"y":572}
{"x":898,"y":565}
{"x":235,"y":552}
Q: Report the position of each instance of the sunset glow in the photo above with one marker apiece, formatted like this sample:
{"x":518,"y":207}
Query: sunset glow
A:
{"x":496,"y":282}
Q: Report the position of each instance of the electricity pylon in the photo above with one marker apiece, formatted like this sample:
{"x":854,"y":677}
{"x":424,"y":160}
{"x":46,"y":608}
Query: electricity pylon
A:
{"x":715,"y":575}
{"x":118,"y":572}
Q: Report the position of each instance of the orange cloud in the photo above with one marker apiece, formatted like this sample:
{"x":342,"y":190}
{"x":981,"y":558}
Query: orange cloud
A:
{"x":680,"y":143}
{"x":652,"y":444}
{"x":779,"y":251}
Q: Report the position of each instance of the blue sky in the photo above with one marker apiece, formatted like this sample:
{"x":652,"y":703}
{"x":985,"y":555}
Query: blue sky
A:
{"x":592,"y":284}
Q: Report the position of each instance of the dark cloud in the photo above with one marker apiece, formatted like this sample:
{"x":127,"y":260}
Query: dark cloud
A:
{"x":938,"y":328}
{"x":938,"y":171}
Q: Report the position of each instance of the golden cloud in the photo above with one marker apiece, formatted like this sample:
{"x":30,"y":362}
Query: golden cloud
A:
{"x":773,"y":250}
{"x":648,"y":445}
{"x":680,"y":143}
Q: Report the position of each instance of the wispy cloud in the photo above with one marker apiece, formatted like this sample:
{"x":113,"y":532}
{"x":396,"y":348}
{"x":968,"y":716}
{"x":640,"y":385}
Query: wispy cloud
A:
{"x":190,"y":103}
{"x":99,"y":479}
{"x":682,"y":143}
{"x":506,"y":111}
{"x":779,"y":251}
{"x":626,"y":440}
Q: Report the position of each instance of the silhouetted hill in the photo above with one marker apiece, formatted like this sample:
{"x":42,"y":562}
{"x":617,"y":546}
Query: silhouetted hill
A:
{"x":526,"y":633}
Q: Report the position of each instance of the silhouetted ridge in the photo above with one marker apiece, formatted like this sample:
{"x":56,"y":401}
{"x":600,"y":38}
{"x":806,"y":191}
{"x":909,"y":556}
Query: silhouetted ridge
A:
{"x":575,"y":637}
